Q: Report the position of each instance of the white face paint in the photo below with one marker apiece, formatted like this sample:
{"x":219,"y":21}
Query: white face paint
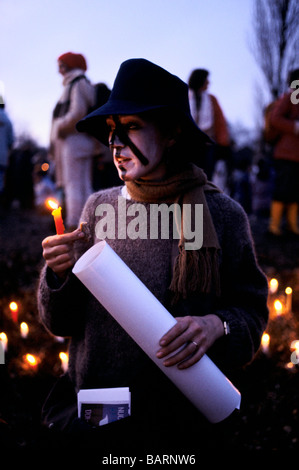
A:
{"x":149,"y":141}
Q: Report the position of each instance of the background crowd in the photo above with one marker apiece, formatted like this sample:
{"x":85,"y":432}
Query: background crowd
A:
{"x":262,"y":175}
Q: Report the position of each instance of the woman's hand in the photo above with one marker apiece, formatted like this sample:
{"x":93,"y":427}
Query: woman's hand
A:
{"x":196,"y":334}
{"x":58,"y":251}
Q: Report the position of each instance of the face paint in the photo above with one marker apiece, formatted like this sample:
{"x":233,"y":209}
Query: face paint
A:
{"x":125,"y":139}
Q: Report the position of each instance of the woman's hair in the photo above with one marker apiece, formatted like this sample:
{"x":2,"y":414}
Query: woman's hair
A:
{"x":197,"y":79}
{"x":171,"y":123}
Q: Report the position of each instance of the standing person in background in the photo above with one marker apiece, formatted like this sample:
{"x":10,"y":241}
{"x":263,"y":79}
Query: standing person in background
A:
{"x":6,"y":142}
{"x":209,"y":117}
{"x":73,"y":152}
{"x":285,"y":119}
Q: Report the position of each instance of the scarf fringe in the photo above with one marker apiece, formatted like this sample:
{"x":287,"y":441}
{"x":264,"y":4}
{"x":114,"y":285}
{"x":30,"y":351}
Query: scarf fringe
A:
{"x":195,"y":271}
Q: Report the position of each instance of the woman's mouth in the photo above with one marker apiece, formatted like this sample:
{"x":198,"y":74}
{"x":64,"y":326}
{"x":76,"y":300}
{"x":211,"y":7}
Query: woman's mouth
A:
{"x":122,"y":160}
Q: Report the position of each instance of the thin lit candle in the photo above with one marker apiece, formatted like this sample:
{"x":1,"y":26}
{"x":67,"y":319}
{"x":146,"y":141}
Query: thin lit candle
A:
{"x":288,"y":293}
{"x":4,"y":340}
{"x":56,"y":212}
{"x":278,"y":307}
{"x":24,"y":329}
{"x":265,"y":343}
{"x":14,"y":308}
{"x":64,"y":360}
{"x":273,"y":285}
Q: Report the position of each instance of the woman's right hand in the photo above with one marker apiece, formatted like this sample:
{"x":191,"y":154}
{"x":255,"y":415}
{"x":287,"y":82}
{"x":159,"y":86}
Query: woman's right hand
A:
{"x":59,"y":253}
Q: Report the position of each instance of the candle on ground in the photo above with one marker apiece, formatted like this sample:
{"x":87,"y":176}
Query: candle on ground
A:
{"x":24,"y":329}
{"x":14,"y":308}
{"x":288,"y":293}
{"x":265,"y":343}
{"x":64,"y":360}
{"x":273,"y":285}
{"x":4,"y":340}
{"x":278,"y":307}
{"x":31,"y":360}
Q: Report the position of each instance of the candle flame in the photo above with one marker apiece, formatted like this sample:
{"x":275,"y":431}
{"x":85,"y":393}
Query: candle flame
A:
{"x":45,"y":166}
{"x":265,"y":339}
{"x":63,"y":356}
{"x":13,"y":306}
{"x":273,"y":285}
{"x":31,"y":359}
{"x":278,"y":307}
{"x":289,"y":365}
{"x":288,"y":290}
{"x":52,"y":204}
{"x":24,"y":328}
{"x":3,"y":337}
{"x":295,"y":345}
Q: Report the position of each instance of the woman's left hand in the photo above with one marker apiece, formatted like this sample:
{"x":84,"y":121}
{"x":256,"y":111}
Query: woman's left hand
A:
{"x":197,"y":334}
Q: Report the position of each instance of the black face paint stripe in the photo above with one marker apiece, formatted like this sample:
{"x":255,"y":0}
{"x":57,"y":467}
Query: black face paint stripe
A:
{"x":124,"y":138}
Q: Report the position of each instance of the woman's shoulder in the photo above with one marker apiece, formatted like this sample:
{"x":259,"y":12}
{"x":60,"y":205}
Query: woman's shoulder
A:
{"x":105,"y":196}
{"x":216,"y":197}
{"x":227,"y":213}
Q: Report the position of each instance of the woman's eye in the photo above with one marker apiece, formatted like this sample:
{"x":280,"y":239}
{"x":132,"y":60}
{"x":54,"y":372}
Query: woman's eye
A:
{"x":131,"y":126}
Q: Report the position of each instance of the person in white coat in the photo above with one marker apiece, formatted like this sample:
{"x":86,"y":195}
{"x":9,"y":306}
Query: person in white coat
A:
{"x":72,"y":151}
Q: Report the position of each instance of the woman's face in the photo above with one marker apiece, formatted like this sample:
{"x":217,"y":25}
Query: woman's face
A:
{"x":149,"y":141}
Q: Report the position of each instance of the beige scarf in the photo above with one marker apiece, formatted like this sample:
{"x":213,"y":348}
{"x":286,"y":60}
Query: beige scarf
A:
{"x":194,"y":270}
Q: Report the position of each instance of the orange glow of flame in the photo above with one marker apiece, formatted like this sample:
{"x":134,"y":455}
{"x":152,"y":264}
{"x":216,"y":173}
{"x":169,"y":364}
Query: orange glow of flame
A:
{"x":32,"y":360}
{"x":63,"y":356}
{"x":13,"y":306}
{"x":278,"y":307}
{"x":52,"y":204}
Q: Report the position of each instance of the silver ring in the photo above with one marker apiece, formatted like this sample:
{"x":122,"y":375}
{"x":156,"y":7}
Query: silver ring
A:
{"x":196,"y":345}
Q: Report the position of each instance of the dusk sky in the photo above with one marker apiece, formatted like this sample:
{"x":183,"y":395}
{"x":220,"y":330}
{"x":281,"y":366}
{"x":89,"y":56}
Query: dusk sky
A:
{"x":179,"y":35}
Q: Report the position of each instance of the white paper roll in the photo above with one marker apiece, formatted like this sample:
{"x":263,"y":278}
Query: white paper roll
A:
{"x":146,"y":320}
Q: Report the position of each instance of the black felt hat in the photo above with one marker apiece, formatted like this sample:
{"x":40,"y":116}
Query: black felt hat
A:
{"x":142,"y":86}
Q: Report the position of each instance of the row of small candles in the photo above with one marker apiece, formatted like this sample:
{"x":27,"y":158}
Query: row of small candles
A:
{"x":30,"y":360}
{"x":33,"y":360}
{"x":281,"y":306}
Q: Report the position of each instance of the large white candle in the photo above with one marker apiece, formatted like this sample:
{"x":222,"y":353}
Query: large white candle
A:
{"x":146,"y":320}
{"x":3,"y":347}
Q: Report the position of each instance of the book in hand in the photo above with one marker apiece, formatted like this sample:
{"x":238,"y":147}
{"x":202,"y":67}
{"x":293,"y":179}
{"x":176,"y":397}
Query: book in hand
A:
{"x":101,"y":406}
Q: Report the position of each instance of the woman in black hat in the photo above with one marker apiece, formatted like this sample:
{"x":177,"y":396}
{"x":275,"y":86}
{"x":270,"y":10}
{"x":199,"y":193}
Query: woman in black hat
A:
{"x":214,"y":287}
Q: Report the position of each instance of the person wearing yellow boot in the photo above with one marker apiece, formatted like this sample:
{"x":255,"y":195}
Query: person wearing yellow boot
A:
{"x":285,"y":118}
{"x":292,"y":218}
{"x":276,"y":213}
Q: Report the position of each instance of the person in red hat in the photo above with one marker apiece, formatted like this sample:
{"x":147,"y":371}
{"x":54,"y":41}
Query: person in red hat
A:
{"x":72,"y":61}
{"x":71,"y":151}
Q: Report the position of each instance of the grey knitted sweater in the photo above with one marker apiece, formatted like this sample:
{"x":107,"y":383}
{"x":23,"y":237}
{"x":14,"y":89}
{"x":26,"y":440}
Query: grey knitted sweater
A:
{"x":101,"y":354}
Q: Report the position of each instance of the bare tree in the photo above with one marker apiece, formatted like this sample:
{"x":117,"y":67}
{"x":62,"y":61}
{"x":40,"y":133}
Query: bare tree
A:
{"x":276,"y":44}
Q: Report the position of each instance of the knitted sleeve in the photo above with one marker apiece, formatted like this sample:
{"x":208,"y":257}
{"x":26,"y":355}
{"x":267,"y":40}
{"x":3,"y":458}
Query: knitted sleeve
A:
{"x":244,"y":288}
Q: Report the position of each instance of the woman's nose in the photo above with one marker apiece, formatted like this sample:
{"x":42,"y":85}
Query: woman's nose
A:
{"x":114,"y":141}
